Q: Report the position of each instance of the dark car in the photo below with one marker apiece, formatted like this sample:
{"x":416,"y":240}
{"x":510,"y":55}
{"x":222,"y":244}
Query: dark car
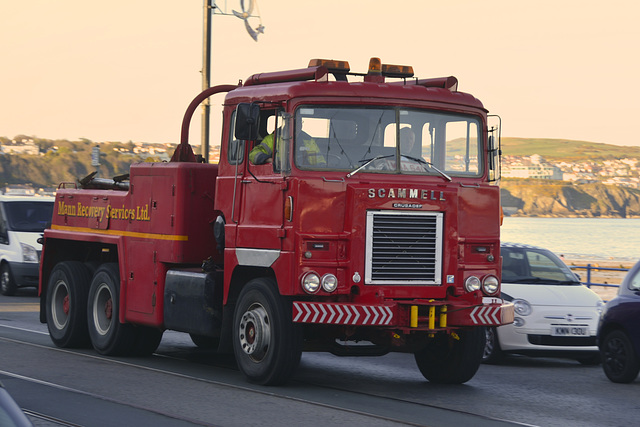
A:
{"x":619,"y":331}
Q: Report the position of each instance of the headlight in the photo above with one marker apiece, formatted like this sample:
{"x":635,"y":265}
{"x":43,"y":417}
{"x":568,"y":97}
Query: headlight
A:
{"x":490,"y":284}
{"x":329,"y":282}
{"x":311,"y":282}
{"x":522,"y":307}
{"x":600,"y":306}
{"x":29,"y":253}
{"x":472,"y":284}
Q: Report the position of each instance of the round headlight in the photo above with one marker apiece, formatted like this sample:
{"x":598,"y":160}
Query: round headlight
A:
{"x":311,"y":282}
{"x":329,"y":282}
{"x":522,"y":307}
{"x":490,"y":284}
{"x":472,"y":284}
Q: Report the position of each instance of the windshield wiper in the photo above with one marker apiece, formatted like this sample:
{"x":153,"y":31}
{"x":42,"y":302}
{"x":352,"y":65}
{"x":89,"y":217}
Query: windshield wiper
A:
{"x":367,"y":163}
{"x":429,"y":165}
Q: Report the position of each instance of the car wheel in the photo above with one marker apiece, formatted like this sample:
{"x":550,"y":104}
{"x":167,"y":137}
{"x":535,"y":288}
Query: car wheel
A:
{"x":492,"y":353}
{"x":619,"y":361}
{"x":8,"y":286}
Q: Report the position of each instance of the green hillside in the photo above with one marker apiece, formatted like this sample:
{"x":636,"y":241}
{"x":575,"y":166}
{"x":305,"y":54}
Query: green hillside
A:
{"x":566,"y":149}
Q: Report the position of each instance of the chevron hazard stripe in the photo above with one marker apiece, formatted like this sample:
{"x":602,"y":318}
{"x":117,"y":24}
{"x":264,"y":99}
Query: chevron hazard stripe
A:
{"x":341,"y":314}
{"x":483,"y":315}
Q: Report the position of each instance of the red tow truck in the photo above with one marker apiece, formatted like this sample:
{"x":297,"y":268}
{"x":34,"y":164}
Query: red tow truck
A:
{"x":373,"y":226}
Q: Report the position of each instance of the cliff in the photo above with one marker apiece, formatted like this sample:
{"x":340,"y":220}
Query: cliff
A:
{"x":561,"y":199}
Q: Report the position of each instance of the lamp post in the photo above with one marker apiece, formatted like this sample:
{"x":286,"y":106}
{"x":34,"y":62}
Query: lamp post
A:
{"x":210,"y":8}
{"x":206,"y":79}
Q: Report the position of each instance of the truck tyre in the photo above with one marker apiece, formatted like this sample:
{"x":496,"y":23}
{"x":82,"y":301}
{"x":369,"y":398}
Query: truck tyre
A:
{"x":266,"y":343}
{"x":8,"y":286}
{"x":492,"y":353}
{"x":108,"y":335}
{"x":619,"y":360}
{"x":66,"y":304}
{"x":452,"y":359}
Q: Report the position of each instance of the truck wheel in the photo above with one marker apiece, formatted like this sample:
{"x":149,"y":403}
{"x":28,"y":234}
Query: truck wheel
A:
{"x":8,"y":286}
{"x":450,"y":360}
{"x":492,"y":352}
{"x":108,"y":335}
{"x":266,"y":343}
{"x":619,"y":360}
{"x":66,"y":304}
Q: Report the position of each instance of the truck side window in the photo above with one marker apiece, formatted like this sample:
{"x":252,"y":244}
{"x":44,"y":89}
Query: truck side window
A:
{"x":235,"y":151}
{"x":284,"y":137}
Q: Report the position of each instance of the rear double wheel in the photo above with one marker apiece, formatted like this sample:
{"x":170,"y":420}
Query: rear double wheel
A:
{"x":266,"y":343}
{"x":108,"y":335}
{"x":66,"y":304}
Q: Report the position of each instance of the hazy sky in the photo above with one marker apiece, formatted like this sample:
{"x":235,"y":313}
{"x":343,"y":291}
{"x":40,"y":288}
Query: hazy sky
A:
{"x":124,"y":70}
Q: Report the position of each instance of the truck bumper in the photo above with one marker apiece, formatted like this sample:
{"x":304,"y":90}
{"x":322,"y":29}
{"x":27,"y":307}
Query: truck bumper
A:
{"x":414,"y":315}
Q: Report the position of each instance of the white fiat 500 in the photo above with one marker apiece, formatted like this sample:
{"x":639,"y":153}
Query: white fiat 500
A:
{"x":555,"y":315}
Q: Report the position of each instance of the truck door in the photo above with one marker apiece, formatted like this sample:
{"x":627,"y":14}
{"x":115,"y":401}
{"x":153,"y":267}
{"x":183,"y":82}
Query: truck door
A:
{"x":261,"y":216}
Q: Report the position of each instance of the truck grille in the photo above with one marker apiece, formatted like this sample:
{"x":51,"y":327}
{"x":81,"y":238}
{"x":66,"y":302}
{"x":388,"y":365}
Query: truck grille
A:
{"x":404,"y":248}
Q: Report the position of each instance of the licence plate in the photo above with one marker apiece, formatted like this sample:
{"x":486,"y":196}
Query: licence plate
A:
{"x":569,"y":331}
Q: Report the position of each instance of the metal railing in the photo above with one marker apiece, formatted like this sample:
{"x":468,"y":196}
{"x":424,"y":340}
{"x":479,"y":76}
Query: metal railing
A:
{"x":589,"y":268}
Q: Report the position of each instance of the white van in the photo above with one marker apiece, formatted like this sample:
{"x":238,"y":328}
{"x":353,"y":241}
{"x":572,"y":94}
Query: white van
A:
{"x":22,"y":222}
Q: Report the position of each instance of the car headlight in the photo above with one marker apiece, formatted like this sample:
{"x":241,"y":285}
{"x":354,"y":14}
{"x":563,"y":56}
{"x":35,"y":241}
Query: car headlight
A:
{"x":311,"y":282}
{"x":472,"y":284}
{"x":329,"y":282}
{"x":490,"y":284}
{"x":600,"y":306}
{"x":522,"y":307}
{"x":29,"y":253}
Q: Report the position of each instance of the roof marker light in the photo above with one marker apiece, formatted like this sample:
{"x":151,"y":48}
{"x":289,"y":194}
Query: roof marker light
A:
{"x":375,"y":66}
{"x":331,"y":65}
{"x":397,"y":70}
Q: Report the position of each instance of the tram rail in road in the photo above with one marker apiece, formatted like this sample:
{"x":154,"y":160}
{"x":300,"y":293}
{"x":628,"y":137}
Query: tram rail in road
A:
{"x":182,"y":385}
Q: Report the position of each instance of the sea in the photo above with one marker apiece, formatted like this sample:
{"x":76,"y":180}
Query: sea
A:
{"x":578,"y":238}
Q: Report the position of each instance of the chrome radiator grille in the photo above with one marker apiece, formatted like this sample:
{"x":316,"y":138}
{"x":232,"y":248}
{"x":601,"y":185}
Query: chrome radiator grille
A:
{"x":404,"y":248}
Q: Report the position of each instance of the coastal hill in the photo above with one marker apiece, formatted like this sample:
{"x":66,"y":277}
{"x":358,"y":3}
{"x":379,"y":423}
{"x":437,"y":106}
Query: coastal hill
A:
{"x":566,"y":150}
{"x":556,"y":198}
{"x":539,"y":198}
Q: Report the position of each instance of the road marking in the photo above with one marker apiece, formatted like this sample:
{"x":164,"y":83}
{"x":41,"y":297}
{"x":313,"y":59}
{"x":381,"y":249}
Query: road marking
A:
{"x":24,"y":329}
{"x":19,"y":307}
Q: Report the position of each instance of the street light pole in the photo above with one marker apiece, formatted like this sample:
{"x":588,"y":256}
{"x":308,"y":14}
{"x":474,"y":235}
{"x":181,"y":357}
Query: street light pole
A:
{"x":206,"y":77}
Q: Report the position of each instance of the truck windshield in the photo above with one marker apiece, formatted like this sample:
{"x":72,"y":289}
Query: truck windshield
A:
{"x":426,"y":142}
{"x":28,"y":216}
